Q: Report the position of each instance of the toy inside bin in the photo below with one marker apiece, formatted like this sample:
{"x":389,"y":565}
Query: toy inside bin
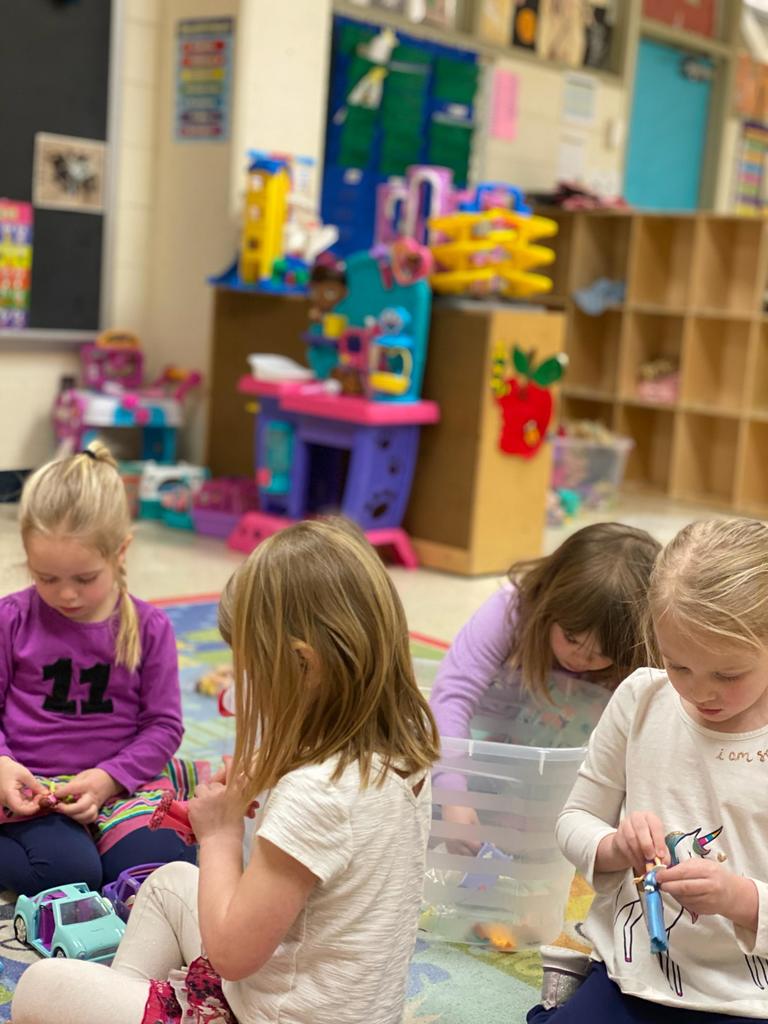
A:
{"x":512,"y":893}
{"x":593,"y":469}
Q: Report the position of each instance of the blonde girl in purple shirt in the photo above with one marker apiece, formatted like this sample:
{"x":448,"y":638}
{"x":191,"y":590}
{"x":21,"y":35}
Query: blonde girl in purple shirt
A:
{"x":90,"y":707}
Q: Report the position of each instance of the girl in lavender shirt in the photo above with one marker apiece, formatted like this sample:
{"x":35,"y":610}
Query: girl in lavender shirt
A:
{"x":89,"y":689}
{"x":578,"y":612}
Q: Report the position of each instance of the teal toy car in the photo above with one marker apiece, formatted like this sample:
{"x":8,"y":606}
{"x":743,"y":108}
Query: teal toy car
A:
{"x":69,"y":921}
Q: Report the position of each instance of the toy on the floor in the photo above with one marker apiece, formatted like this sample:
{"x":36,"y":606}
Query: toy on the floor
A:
{"x":215,"y":682}
{"x":318,"y":450}
{"x":68,"y":921}
{"x":282,"y":233}
{"x":497,"y":935}
{"x":167,"y":492}
{"x":588,"y":461}
{"x":123,"y":891}
{"x":649,"y":888}
{"x":477,"y":880}
{"x":113,"y":396}
{"x":219,"y":503}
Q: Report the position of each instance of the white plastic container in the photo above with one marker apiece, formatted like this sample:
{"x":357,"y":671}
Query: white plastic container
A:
{"x":595,"y":471}
{"x":513,"y":892}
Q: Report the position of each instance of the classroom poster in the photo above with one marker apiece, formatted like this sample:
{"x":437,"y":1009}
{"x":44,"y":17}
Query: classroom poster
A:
{"x":203,"y":79}
{"x":750,"y":185}
{"x":68,"y":173}
{"x":15,"y":263}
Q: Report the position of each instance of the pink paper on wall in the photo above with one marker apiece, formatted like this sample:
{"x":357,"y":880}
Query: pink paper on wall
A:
{"x":504,"y":98}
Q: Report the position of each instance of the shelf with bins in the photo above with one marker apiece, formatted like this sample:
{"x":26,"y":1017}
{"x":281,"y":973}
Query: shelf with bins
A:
{"x":593,"y":344}
{"x":758,"y":384}
{"x":706,"y":453}
{"x":602,"y":240}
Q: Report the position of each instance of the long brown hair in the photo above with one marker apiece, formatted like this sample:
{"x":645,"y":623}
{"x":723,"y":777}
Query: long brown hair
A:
{"x":596,"y":582}
{"x":711,"y":580}
{"x":322,"y":660}
{"x":83,"y":496}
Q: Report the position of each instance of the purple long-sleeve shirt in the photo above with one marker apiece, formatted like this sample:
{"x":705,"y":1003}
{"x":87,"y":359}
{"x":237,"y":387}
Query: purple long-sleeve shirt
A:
{"x":476,"y":657}
{"x":64,"y":704}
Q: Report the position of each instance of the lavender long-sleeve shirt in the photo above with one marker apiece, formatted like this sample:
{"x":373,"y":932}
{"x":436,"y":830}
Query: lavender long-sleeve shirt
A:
{"x":474,"y":660}
{"x":64,"y":704}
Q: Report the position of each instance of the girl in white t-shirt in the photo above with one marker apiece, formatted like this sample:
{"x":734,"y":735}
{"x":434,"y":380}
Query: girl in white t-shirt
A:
{"x":320,"y":925}
{"x":676,"y":772}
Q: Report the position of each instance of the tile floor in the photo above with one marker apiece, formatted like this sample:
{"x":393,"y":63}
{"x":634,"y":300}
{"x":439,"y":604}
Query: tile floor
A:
{"x":173,"y":563}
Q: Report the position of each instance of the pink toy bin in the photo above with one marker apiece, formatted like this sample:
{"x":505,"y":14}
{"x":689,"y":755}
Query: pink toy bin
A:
{"x":219,"y":504}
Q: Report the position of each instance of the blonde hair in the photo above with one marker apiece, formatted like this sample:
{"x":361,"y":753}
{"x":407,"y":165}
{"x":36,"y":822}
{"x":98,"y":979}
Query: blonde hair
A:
{"x":711,"y":580}
{"x":322,"y":660}
{"x":596,"y":583}
{"x":83,"y":496}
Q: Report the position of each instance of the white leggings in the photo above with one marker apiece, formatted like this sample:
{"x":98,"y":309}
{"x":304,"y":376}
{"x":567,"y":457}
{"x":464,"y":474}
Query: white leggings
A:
{"x":162,"y":935}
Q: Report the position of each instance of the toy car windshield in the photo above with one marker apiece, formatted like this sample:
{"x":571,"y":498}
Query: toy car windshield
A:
{"x":80,"y":911}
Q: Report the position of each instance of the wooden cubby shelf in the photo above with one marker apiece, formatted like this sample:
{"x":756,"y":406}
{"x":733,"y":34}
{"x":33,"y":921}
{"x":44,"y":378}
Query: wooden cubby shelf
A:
{"x":695,"y":286}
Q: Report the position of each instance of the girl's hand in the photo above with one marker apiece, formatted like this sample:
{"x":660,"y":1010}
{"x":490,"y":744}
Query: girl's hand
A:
{"x":216,"y":809}
{"x":88,"y":791}
{"x":706,"y":887}
{"x":638,"y":840}
{"x":20,"y":791}
{"x":462,"y":816}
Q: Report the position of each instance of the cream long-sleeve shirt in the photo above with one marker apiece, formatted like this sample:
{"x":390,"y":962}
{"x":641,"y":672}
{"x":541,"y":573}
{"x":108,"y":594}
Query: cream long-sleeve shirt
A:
{"x":710,"y":790}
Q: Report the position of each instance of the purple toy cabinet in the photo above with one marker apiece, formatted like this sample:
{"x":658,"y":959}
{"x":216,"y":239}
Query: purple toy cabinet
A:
{"x":317,"y":452}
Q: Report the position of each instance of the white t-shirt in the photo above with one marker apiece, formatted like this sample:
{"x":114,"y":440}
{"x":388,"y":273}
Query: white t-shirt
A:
{"x":345,"y":959}
{"x":709,"y":789}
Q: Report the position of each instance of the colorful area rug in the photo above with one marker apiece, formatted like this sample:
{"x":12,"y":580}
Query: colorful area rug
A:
{"x":448,"y":984}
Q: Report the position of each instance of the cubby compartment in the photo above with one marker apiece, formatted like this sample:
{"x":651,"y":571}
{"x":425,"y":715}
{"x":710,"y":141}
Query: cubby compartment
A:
{"x":649,"y":337}
{"x":601,"y":248}
{"x":728,"y":251}
{"x":651,"y":429}
{"x":715,"y":373}
{"x":759,"y":382}
{"x":660,"y":262}
{"x":706,"y":458}
{"x":753,"y":496}
{"x":592,"y":345}
{"x":576,"y":407}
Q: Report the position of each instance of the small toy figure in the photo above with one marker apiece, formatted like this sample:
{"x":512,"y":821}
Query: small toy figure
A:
{"x":497,"y":935}
{"x":648,"y":886}
{"x":123,"y":891}
{"x":327,"y":287}
{"x":215,"y":682}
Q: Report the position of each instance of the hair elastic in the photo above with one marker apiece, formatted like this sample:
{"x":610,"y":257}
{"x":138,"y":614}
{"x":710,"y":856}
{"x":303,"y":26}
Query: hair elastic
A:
{"x":90,"y":454}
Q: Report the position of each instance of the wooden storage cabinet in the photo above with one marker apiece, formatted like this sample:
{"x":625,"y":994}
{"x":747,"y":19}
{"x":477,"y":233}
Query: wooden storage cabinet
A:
{"x":695,"y":286}
{"x":474,"y":509}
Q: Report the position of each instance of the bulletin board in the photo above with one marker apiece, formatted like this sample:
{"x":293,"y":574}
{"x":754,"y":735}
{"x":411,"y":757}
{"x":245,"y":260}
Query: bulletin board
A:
{"x":424,"y":113}
{"x":54,"y":78}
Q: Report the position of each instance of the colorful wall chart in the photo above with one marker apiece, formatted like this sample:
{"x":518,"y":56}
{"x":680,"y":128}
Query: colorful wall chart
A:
{"x":203,"y":78}
{"x":15,"y":262}
{"x":750,"y":197}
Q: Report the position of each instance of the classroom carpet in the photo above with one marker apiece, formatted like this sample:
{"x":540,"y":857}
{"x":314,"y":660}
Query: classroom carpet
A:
{"x":448,"y":983}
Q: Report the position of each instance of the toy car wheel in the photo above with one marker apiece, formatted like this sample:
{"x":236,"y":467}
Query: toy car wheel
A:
{"x":59,"y":952}
{"x":20,"y":928}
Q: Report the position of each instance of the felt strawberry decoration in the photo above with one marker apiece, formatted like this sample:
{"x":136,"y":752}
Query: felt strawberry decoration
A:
{"x":525,"y":401}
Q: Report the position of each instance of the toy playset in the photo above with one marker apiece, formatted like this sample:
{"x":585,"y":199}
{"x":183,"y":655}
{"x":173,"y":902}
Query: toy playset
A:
{"x":281,"y":232}
{"x":218,"y":505}
{"x":588,"y":463}
{"x":113,"y":396}
{"x":123,"y":891}
{"x":167,"y":492}
{"x":69,"y":921}
{"x":482,"y":239}
{"x":347,"y":439}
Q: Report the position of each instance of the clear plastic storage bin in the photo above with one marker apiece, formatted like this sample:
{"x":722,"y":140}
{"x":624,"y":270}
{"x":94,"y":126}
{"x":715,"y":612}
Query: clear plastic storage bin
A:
{"x":593,"y":469}
{"x":503,"y":881}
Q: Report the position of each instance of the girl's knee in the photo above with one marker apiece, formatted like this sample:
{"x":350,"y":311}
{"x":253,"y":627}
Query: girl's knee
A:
{"x":33,"y":991}
{"x":178,"y":877}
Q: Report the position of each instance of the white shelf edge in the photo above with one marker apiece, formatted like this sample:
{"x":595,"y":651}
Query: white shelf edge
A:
{"x":47,"y":336}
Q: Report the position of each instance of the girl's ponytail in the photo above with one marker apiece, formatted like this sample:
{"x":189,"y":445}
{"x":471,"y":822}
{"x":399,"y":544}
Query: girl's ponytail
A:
{"x":128,"y":642}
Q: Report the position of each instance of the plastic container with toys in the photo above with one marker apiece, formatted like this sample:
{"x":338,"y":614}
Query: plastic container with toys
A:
{"x":589,"y":460}
{"x":503,"y":882}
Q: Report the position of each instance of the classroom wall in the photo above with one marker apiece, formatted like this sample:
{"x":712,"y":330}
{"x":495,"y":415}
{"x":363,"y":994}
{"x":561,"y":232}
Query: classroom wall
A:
{"x":535,"y":158}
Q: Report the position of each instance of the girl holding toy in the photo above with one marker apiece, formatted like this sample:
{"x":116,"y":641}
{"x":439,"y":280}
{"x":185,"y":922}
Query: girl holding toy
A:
{"x":674,"y":776}
{"x":577,"y":613}
{"x":320,"y":926}
{"x":90,"y":707}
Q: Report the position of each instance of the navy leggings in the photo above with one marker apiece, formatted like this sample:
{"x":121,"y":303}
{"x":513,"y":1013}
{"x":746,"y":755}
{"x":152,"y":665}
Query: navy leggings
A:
{"x":54,"y":850}
{"x":600,"y":999}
